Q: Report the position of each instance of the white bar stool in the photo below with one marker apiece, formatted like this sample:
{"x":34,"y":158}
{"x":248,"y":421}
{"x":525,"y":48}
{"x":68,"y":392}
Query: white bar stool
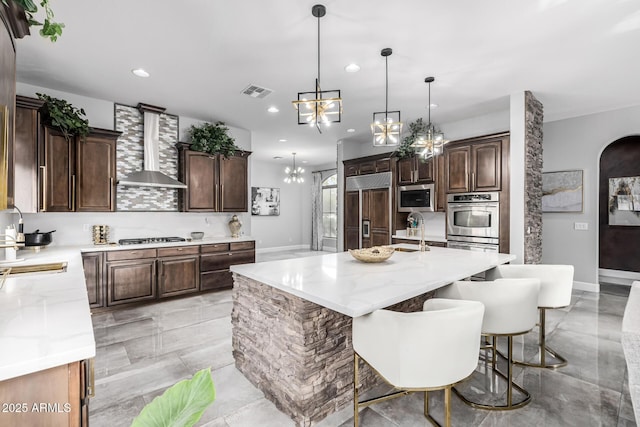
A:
{"x":556,"y":282}
{"x":421,"y":351}
{"x":510,"y":310}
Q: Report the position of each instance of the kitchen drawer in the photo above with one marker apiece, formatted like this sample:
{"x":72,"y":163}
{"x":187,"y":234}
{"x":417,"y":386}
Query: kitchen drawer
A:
{"x":216,"y":280}
{"x":212,"y":262}
{"x":131,"y":254}
{"x":218,"y":247}
{"x":178,"y":251}
{"x":236,"y":246}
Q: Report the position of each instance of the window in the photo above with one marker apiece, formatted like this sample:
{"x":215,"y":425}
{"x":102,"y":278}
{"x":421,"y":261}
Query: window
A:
{"x":330,"y":206}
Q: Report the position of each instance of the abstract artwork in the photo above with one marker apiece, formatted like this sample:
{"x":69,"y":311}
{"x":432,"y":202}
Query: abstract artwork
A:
{"x":562,"y":191}
{"x":265,"y":201}
{"x":624,"y":201}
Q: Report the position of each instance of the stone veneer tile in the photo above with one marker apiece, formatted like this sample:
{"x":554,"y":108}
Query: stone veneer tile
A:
{"x":297,"y":352}
{"x":533,"y":180}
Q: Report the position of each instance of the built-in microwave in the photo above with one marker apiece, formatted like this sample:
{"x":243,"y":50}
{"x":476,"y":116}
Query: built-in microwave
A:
{"x":415,"y":198}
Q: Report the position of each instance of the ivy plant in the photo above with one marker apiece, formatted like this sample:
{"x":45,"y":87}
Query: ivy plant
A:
{"x":212,"y":139}
{"x":405,"y":149}
{"x":63,"y":116}
{"x":50,"y":29}
{"x":181,"y":405}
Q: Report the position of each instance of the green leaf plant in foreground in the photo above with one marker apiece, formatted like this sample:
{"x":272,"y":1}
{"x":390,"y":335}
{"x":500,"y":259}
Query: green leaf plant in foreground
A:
{"x":181,"y":405}
{"x":50,"y":29}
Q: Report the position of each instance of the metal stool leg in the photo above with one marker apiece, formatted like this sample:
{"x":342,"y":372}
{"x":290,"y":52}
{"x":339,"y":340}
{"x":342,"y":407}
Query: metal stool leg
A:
{"x":543,"y":348}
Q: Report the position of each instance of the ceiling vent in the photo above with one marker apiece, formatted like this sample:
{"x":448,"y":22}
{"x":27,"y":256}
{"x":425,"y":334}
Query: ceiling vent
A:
{"x":257,"y":91}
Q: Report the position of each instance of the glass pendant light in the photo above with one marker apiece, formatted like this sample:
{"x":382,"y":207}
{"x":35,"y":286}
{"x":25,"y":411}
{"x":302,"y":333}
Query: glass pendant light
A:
{"x":294,"y":174}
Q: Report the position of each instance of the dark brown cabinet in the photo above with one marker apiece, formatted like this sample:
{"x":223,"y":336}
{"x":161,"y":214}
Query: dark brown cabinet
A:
{"x":367,"y":165}
{"x":351,"y":220}
{"x":92,"y":263}
{"x":216,"y":259}
{"x":214,"y":184}
{"x":474,"y":165}
{"x":415,"y":170}
{"x":131,"y":276}
{"x":375,"y":209}
{"x":65,"y":386}
{"x":178,"y":271}
{"x":26,"y":139}
{"x":96,"y":171}
{"x":77,"y":174}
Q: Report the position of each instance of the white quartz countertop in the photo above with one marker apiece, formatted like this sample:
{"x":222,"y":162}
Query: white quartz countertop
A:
{"x":343,"y":284}
{"x":44,"y":317}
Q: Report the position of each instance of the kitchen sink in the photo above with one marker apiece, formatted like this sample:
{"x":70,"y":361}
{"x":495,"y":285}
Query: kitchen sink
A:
{"x":54,"y":267}
{"x":406,"y":250}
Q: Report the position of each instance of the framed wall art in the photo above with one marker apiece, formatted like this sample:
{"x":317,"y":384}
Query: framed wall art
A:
{"x":624,"y":201}
{"x":562,"y":191}
{"x":265,"y":201}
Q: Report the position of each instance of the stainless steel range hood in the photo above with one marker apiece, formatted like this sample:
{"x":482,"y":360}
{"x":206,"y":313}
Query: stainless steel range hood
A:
{"x":151,"y":176}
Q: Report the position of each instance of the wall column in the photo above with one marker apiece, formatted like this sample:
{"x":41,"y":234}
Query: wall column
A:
{"x":533,"y":180}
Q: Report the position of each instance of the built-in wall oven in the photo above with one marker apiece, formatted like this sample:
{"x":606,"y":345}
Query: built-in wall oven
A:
{"x":473,"y":221}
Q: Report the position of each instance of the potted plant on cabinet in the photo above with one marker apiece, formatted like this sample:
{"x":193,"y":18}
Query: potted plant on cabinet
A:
{"x":212,"y":139}
{"x":59,"y":114}
{"x":50,"y":29}
{"x":405,"y":150}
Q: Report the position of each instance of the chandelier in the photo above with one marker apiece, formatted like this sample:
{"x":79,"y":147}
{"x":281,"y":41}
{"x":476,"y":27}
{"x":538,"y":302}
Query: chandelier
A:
{"x":320,"y":107}
{"x":430,"y":142}
{"x":386,"y":126}
{"x":294,"y":174}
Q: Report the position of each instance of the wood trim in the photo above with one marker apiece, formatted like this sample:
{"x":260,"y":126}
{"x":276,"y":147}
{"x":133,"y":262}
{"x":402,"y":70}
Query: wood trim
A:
{"x":148,"y":108}
{"x":16,"y":17}
{"x":28,"y":102}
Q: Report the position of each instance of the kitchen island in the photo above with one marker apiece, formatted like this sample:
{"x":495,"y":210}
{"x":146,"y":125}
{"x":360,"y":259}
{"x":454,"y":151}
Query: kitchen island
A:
{"x":291,"y":319}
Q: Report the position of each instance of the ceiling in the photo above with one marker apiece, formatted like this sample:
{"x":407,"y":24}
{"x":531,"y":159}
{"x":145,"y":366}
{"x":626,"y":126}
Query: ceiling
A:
{"x":576,"y":56}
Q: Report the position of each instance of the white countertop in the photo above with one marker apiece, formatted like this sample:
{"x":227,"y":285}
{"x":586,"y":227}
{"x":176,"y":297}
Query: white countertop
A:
{"x":44,"y":317}
{"x":343,"y":284}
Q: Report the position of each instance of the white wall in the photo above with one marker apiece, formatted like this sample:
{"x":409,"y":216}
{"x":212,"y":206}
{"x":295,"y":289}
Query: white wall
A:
{"x":577,"y":144}
{"x":292,"y":228}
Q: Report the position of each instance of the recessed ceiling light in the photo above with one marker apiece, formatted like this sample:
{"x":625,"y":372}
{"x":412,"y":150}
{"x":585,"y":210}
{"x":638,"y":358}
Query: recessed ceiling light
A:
{"x":273,"y":109}
{"x":277,"y":157}
{"x":352,"y":68}
{"x":140,"y":72}
{"x":304,"y":161}
{"x":282,"y":140}
{"x":433,"y":105}
{"x":351,"y":130}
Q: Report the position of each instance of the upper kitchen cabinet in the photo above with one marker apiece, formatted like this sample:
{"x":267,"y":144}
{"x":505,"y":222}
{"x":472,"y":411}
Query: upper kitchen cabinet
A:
{"x":77,"y":174}
{"x":475,"y":164}
{"x":367,"y":165}
{"x":214,"y":183}
{"x":415,"y":170}
{"x":26,"y":152}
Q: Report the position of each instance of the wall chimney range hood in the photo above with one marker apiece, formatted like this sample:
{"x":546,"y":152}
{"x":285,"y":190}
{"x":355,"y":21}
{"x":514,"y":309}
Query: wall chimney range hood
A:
{"x":151,"y":176}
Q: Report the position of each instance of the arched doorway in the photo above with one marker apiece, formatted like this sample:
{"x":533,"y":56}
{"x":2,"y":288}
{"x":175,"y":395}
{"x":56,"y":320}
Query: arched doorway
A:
{"x":619,"y":212}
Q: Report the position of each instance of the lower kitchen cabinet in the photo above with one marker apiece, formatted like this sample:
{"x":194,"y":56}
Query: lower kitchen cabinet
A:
{"x":215,"y":261}
{"x":52,"y":397}
{"x":92,"y":263}
{"x":131,"y":276}
{"x":116,"y":278}
{"x":178,"y":271}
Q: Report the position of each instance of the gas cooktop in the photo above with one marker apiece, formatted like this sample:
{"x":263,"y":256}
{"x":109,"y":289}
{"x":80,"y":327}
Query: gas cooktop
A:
{"x":144,"y":240}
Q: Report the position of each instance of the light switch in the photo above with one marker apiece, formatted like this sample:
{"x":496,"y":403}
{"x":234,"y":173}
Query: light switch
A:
{"x":581,"y":226}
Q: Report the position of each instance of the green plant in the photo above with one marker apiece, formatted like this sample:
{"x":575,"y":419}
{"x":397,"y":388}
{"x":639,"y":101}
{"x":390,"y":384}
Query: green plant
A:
{"x":405,"y":149}
{"x":181,"y":405}
{"x":50,"y":29}
{"x":212,"y":139}
{"x":63,"y":116}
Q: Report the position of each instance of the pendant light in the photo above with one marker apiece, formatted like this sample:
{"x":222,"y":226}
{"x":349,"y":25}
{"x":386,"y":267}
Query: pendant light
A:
{"x":294,"y":174}
{"x":430,"y":142}
{"x":320,"y":107}
{"x":386,"y":126}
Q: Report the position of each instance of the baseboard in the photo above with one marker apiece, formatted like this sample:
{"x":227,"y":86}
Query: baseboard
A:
{"x":585,"y":286}
{"x":282,"y":248}
{"x":617,"y":277}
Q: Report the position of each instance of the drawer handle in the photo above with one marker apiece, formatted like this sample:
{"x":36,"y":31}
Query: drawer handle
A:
{"x":132,"y":252}
{"x":230,"y":253}
{"x":179,"y":249}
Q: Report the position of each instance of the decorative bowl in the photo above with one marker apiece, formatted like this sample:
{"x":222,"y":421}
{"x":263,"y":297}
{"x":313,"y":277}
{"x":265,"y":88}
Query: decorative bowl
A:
{"x":197,"y":235}
{"x":374,"y":254}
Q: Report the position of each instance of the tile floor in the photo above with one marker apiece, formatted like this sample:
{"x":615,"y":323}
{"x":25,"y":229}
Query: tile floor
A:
{"x":143,"y":350}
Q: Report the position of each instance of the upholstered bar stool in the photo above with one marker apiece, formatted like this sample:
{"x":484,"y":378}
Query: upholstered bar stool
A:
{"x":556,"y":282}
{"x":421,"y":351}
{"x":510,"y":310}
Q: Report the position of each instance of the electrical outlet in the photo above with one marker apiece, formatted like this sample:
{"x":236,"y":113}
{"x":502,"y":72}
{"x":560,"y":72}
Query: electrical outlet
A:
{"x":581,"y":226}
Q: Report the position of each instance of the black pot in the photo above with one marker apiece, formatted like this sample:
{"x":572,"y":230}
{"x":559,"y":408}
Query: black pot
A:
{"x":37,"y":239}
